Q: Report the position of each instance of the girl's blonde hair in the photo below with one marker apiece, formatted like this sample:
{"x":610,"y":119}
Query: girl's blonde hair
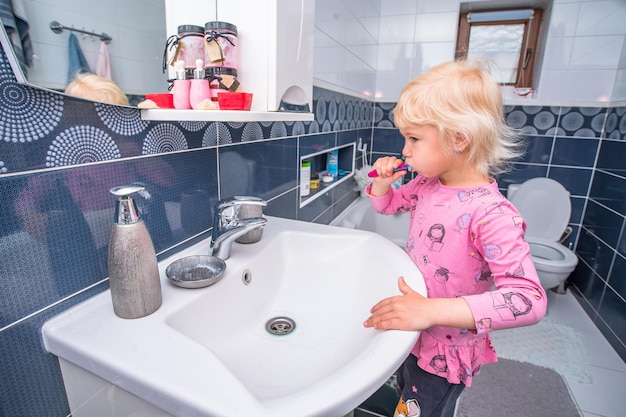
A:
{"x":97,"y":88}
{"x":463,"y":101}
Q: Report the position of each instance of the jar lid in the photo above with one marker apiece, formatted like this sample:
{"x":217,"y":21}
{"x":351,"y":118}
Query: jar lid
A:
{"x":306,"y":164}
{"x":190,"y":28}
{"x":221,"y":71}
{"x":217,"y":25}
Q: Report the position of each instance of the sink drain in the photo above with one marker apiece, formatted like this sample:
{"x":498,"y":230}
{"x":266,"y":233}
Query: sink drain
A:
{"x":280,"y":326}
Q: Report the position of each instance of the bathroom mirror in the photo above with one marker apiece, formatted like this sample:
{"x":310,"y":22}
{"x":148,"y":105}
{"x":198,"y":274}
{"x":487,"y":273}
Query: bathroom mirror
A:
{"x":135,"y":51}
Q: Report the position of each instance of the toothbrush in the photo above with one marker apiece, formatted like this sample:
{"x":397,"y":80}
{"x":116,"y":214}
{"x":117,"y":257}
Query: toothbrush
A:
{"x":403,"y":167}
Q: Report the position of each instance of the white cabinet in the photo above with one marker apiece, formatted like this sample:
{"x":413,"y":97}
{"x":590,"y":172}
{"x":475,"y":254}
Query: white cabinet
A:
{"x":275,"y":46}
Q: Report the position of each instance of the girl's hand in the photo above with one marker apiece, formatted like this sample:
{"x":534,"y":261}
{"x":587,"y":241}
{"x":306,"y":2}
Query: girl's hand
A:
{"x":384,"y":167}
{"x":413,"y":311}
{"x":408,"y":311}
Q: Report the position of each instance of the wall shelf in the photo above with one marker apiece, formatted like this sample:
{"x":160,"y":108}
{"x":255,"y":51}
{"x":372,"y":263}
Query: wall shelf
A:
{"x":223,"y":115}
{"x":346,"y":162}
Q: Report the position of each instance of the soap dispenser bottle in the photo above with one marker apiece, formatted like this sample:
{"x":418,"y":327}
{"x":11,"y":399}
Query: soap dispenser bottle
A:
{"x":200,"y":89}
{"x":133,"y":271}
{"x":181,"y":87}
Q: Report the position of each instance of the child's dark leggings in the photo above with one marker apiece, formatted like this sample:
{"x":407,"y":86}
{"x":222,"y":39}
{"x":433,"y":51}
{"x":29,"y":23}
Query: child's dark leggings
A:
{"x":424,"y":394}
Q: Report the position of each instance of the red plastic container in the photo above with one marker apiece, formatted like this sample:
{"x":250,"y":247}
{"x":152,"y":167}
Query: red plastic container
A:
{"x":164,"y":101}
{"x":234,"y":101}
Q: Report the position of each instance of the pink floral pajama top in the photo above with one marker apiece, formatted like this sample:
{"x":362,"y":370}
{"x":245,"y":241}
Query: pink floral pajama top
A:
{"x":467,"y":242}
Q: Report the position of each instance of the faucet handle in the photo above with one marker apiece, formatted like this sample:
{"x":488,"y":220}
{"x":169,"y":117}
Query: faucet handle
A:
{"x":227,"y":210}
{"x":237,"y":201}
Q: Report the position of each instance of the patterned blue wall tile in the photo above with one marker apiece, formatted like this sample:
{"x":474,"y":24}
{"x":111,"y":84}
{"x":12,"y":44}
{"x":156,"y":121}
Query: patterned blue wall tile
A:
{"x":532,"y":120}
{"x":582,"y":121}
{"x":383,"y":115}
{"x":336,"y":111}
{"x":615,"y":124}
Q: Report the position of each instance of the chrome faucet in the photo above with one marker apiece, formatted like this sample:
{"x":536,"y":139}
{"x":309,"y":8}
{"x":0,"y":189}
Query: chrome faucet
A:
{"x":227,"y":226}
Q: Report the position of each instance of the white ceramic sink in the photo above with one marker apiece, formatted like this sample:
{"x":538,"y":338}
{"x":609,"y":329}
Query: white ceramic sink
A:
{"x":207,"y":352}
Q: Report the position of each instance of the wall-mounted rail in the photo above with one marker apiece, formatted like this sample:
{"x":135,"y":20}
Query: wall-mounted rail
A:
{"x":56,"y":27}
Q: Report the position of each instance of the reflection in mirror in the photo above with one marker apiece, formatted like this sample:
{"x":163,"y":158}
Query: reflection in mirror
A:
{"x":133,"y":55}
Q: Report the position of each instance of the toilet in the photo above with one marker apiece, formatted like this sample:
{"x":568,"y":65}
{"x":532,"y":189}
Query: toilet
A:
{"x":545,"y":205}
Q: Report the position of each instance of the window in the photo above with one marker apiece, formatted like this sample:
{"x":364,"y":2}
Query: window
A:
{"x":506,"y":37}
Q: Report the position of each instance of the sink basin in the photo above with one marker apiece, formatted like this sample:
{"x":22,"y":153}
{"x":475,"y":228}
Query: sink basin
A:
{"x":280,"y":334}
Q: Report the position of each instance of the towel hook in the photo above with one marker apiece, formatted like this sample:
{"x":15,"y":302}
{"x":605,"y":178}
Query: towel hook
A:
{"x":56,"y":27}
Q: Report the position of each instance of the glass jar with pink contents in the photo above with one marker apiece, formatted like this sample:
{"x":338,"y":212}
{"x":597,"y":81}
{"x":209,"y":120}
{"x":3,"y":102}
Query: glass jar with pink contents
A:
{"x":221,"y":45}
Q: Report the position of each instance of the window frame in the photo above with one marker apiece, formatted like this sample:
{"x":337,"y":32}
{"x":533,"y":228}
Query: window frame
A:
{"x":528,"y":53}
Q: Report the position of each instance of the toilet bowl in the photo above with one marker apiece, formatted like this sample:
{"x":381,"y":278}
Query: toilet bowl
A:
{"x":546,"y":207}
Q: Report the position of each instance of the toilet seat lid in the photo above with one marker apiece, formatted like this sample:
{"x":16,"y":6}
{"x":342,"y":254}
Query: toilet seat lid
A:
{"x":545,"y":205}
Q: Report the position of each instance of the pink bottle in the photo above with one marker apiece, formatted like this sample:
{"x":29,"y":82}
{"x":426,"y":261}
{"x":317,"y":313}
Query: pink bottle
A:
{"x":182,"y":87}
{"x":200,"y":89}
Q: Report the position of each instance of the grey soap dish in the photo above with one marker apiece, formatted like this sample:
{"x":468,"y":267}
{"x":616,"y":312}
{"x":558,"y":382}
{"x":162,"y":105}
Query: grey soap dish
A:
{"x":196,"y":271}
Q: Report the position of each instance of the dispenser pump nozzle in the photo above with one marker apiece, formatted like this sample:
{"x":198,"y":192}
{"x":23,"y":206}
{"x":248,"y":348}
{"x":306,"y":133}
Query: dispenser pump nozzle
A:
{"x":179,"y":66}
{"x":198,"y":73}
{"x":126,"y":210}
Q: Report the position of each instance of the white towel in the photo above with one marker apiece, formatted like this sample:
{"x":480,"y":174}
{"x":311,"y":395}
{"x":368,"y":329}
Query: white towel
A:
{"x":103,"y":66}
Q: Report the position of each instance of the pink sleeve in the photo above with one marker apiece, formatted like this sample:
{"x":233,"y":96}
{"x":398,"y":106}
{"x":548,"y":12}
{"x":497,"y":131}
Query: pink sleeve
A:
{"x":395,"y":201}
{"x":518,"y":300}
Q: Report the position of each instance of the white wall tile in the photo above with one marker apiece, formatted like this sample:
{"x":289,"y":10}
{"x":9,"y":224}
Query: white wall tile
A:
{"x":596,"y":52}
{"x":558,"y":53}
{"x":360,"y":81}
{"x":395,"y":29}
{"x":588,"y":85}
{"x":429,"y":54}
{"x":431,"y":27}
{"x":622,"y":60}
{"x":363,"y":8}
{"x":389,"y":84}
{"x":398,"y":7}
{"x":586,"y":45}
{"x":552,"y":84}
{"x":602,"y":18}
{"x":395,"y":57}
{"x":563,"y":19}
{"x":368,"y":54}
{"x":430,"y":6}
{"x":619,"y":88}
